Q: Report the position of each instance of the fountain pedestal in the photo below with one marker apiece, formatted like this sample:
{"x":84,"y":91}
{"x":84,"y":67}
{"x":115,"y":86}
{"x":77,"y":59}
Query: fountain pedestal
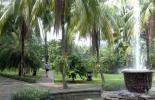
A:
{"x":126,"y":95}
{"x":138,"y":81}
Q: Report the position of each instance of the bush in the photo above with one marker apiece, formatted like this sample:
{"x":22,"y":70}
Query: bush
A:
{"x":112,"y":60}
{"x":113,"y":86}
{"x":76,"y":67}
{"x":89,"y":63}
{"x":31,"y":93}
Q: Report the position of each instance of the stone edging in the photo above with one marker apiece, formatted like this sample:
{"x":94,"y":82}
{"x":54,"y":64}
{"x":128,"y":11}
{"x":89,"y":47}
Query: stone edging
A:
{"x":75,"y":94}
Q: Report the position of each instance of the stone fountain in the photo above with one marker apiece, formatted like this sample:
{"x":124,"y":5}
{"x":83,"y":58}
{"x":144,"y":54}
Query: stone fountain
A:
{"x":139,"y":78}
{"x":138,"y":81}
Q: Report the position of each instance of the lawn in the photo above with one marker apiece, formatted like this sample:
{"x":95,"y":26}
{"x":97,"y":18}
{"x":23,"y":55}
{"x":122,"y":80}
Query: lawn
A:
{"x":14,"y":75}
{"x":109,"y":79}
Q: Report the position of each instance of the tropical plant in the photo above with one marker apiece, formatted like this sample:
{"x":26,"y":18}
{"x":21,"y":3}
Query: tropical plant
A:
{"x":19,"y":13}
{"x":92,"y":19}
{"x":76,"y":67}
{"x":54,"y":50}
{"x":62,"y":12}
{"x":10,"y":53}
{"x":47,"y":22}
{"x":147,"y":24}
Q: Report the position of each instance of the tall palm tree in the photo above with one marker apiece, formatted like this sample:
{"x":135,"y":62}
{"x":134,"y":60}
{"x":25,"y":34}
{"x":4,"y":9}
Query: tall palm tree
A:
{"x":91,"y":19}
{"x":147,"y":24}
{"x":43,"y":9}
{"x":62,"y":12}
{"x":62,"y":18}
{"x":21,"y":10}
{"x":10,"y":53}
{"x":123,"y":28}
{"x":47,"y":20}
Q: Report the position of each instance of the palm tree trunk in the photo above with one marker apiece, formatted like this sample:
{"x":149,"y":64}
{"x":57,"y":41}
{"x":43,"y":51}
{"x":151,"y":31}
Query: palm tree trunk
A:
{"x":21,"y":68}
{"x":46,"y":48}
{"x":102,"y":78}
{"x":64,"y":46}
{"x":98,"y":57}
{"x":23,"y":29}
{"x":96,"y":44}
{"x":64,"y":78}
{"x":147,"y":45}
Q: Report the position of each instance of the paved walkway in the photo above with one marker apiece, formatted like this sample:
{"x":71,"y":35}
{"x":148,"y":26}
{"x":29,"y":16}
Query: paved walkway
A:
{"x":9,"y":86}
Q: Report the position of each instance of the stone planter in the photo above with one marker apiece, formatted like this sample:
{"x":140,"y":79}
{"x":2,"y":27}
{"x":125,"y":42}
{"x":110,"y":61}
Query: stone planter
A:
{"x":138,"y":81}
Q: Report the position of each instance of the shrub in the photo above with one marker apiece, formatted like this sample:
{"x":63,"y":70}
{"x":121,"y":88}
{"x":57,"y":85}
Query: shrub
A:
{"x":76,"y":67}
{"x":31,"y":93}
{"x":113,"y":86}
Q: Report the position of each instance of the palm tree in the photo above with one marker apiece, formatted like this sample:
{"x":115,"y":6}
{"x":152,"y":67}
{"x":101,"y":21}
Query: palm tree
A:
{"x":123,"y":28}
{"x":10,"y":53}
{"x":62,"y":17}
{"x":21,"y":11}
{"x":42,"y":10}
{"x":147,"y":24}
{"x":62,"y":12}
{"x":91,"y":18}
{"x":47,"y":20}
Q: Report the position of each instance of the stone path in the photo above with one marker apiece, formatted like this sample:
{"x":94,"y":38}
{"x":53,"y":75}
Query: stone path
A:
{"x":9,"y":86}
{"x":46,"y":81}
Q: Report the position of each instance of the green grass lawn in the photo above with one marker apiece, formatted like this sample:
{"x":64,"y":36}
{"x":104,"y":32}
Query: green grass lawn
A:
{"x":27,"y":78}
{"x":112,"y":81}
{"x":109,"y":79}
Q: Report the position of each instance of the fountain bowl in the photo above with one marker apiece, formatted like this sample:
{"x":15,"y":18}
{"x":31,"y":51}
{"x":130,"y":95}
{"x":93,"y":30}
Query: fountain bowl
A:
{"x":139,"y":81}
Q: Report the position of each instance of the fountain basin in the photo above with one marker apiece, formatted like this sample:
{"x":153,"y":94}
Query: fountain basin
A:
{"x":139,"y":81}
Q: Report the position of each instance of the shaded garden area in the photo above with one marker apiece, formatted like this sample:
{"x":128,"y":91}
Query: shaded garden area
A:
{"x":67,"y":43}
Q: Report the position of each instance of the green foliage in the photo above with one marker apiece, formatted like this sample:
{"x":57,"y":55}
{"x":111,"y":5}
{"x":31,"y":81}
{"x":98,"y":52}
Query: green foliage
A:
{"x":31,"y":93}
{"x":10,"y":54}
{"x":112,"y":60}
{"x":74,"y":64}
{"x":113,"y":86}
{"x":88,"y":60}
{"x":76,"y":67}
{"x":77,"y":63}
{"x":53,"y":50}
{"x":89,"y":63}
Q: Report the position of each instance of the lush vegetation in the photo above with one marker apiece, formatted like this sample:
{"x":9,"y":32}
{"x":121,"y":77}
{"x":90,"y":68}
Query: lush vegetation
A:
{"x":109,"y":27}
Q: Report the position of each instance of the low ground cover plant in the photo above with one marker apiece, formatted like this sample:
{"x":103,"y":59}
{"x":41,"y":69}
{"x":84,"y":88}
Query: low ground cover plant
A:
{"x":31,"y":93}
